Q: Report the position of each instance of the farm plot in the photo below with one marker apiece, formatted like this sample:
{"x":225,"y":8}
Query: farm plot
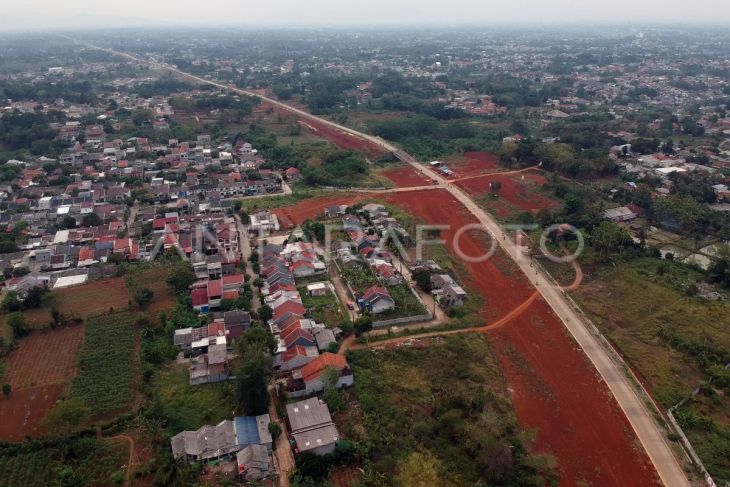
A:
{"x":22,"y":413}
{"x":94,"y":460}
{"x":83,"y":301}
{"x":107,"y":364}
{"x":44,"y":358}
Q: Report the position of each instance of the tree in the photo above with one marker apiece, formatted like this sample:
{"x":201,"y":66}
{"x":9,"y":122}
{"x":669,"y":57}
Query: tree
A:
{"x":173,"y":472}
{"x":420,"y":469}
{"x":274,"y":430}
{"x":363,"y":325}
{"x":608,"y":238}
{"x":180,"y":276}
{"x":6,"y":390}
{"x":68,"y":222}
{"x":252,"y":381}
{"x":143,"y":297}
{"x":21,"y":271}
{"x":66,"y":416}
{"x":257,"y":340}
{"x":91,"y":220}
{"x":265,"y":313}
{"x":17,"y":323}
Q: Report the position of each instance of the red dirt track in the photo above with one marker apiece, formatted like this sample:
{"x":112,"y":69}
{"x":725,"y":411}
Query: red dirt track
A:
{"x":406,"y":177}
{"x":555,"y":390}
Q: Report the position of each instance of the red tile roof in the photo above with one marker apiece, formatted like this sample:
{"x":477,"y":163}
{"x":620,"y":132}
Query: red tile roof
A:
{"x":315,"y":368}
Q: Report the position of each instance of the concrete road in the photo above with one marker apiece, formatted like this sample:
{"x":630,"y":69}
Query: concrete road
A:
{"x":647,"y":430}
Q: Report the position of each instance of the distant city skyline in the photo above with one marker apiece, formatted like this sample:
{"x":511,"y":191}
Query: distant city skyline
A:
{"x":46,"y":14}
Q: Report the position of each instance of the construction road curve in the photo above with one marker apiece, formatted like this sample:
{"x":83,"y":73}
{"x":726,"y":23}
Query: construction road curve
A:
{"x":647,"y":430}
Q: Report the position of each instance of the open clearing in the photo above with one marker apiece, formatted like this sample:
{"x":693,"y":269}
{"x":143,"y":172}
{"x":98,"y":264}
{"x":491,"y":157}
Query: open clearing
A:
{"x":518,"y":192}
{"x":445,"y":398}
{"x":472,"y":164}
{"x":290,"y":216}
{"x":155,"y":279}
{"x":405,"y":177}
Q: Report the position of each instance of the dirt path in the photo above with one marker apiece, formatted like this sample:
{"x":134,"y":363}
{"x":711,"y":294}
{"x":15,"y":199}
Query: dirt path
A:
{"x":284,"y":454}
{"x":130,"y":461}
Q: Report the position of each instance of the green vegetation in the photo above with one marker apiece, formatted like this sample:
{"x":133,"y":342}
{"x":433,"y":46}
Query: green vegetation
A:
{"x":426,"y":137}
{"x":441,"y":413}
{"x":339,"y":168}
{"x":74,"y":462}
{"x":187,"y":407}
{"x":324,"y":309}
{"x":107,"y":366}
{"x":673,"y":341}
{"x":253,"y":369}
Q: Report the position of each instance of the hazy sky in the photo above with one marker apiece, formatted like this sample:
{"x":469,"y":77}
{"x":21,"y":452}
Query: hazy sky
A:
{"x":42,"y":14}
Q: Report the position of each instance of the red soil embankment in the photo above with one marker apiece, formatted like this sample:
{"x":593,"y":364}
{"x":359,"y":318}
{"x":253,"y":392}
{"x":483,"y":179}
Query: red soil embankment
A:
{"x":555,"y":390}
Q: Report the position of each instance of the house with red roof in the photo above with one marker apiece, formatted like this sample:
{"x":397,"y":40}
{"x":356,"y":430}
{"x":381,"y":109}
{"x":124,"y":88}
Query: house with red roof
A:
{"x":310,"y":379}
{"x":295,"y":358}
{"x":214,"y":290}
{"x":376,"y":300}
{"x":199,"y":300}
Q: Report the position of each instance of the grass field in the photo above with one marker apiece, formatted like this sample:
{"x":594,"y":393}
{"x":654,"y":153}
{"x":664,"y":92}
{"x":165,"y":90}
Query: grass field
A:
{"x":88,"y":458}
{"x":189,"y":407}
{"x":441,"y":409}
{"x":107,"y":368}
{"x":670,"y":340}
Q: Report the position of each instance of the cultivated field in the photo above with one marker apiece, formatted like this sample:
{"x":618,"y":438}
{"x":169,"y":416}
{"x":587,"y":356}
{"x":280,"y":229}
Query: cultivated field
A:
{"x":93,"y":460}
{"x":107,"y":364}
{"x":38,"y":371}
{"x":82,"y":301}
{"x":22,"y":413}
{"x":44,"y":358}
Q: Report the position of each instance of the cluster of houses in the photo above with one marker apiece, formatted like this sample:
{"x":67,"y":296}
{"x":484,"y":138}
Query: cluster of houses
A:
{"x":302,"y":358}
{"x":446,"y":291}
{"x":247,"y":439}
{"x":75,"y":212}
{"x":244,"y":438}
{"x":209,"y":346}
{"x":365,"y":248}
